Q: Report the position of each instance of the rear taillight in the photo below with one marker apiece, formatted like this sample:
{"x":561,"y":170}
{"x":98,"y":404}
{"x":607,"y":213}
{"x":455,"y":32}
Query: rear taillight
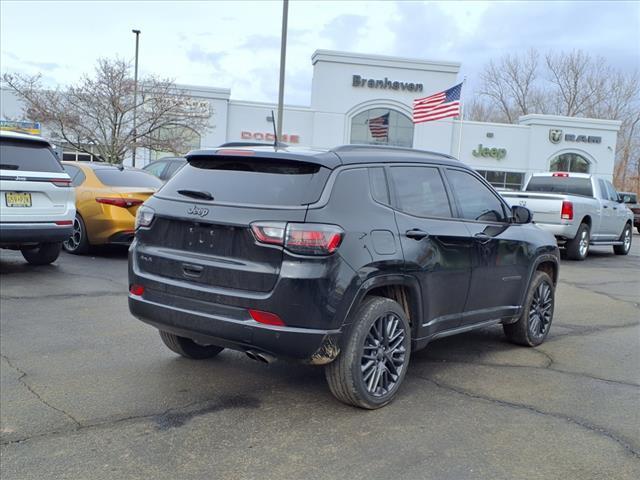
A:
{"x":61,"y":182}
{"x":566,"y":213}
{"x":119,"y":201}
{"x":301,"y":238}
{"x":559,"y":174}
{"x":269,"y":232}
{"x":144,"y":216}
{"x":266,"y":317}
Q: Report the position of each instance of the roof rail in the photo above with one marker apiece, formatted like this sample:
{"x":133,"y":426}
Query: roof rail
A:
{"x":364,"y":147}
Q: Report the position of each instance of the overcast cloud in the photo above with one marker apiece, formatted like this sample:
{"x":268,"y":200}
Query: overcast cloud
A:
{"x":236,"y":44}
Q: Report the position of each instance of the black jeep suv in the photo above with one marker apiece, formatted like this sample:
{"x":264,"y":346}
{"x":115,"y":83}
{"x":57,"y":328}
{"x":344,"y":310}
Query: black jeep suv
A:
{"x":350,"y":258}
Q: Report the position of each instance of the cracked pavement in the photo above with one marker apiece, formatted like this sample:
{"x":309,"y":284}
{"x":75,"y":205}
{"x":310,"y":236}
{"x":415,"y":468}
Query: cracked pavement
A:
{"x":88,"y":392}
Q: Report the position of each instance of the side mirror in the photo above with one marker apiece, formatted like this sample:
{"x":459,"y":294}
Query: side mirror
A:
{"x":621,"y":199}
{"x":521,"y":214}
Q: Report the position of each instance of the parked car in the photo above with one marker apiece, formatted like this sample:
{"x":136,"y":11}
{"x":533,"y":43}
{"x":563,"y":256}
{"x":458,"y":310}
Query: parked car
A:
{"x":579,"y":209}
{"x":107,"y":198}
{"x":630,"y":199}
{"x":37,"y":203}
{"x":165,"y":168}
{"x":350,"y":258}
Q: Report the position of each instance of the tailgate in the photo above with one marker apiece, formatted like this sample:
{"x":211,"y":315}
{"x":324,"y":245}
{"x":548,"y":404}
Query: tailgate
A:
{"x":545,"y":208}
{"x":25,"y":195}
{"x":218,"y":251}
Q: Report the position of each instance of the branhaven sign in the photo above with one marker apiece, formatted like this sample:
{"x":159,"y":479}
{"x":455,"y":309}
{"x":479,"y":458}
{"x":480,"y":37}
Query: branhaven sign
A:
{"x":386,"y":84}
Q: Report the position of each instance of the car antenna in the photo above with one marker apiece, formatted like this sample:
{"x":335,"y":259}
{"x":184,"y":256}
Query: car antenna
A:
{"x":275,"y":132}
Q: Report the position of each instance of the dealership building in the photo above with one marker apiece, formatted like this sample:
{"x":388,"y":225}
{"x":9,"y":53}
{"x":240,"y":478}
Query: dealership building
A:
{"x":350,"y":89}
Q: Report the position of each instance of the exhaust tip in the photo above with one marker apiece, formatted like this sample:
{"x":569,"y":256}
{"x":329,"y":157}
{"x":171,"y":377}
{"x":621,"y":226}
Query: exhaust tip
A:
{"x":260,"y":357}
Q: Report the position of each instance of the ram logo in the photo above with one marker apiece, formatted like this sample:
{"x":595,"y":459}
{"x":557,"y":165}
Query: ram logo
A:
{"x":555,"y":135}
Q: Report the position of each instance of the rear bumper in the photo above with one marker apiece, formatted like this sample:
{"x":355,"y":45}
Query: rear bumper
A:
{"x":564,"y":232}
{"x":233,"y":328}
{"x":26,"y":233}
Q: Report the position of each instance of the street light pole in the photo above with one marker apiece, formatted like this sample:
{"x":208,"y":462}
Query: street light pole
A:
{"x":135,"y":99}
{"x":283,"y":54}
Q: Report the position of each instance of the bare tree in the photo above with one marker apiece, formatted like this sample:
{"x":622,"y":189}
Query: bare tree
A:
{"x":96,"y":115}
{"x":567,"y":83}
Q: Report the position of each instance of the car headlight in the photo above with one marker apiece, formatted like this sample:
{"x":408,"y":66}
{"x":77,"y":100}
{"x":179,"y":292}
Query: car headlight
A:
{"x":144,"y":216}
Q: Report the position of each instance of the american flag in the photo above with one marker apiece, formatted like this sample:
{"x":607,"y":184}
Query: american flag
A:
{"x":439,"y":105}
{"x":379,"y":126}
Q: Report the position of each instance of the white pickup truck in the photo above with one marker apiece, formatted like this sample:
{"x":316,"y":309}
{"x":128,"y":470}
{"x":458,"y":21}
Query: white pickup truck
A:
{"x":579,"y":209}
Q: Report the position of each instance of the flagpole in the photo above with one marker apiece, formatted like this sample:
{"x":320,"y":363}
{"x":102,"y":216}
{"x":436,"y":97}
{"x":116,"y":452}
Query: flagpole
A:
{"x":461,"y":118}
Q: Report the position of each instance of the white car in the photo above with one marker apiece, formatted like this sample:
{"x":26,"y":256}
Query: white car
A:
{"x":37,"y":201}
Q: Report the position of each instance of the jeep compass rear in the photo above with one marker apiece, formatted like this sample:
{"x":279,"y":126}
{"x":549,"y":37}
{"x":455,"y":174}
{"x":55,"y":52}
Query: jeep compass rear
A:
{"x":321,"y":257}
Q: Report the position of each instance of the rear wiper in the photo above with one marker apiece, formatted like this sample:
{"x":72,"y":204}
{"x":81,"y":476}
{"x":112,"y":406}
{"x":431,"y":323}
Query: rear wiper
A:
{"x":196,"y":194}
{"x":8,"y":166}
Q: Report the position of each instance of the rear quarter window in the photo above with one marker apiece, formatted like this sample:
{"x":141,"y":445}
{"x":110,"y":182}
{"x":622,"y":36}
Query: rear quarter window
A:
{"x":28,"y":156}
{"x":114,"y":177}
{"x":254,"y":181}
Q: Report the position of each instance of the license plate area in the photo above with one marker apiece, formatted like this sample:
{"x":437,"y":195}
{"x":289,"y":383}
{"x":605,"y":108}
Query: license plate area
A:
{"x":17,"y":199}
{"x":202,"y":237}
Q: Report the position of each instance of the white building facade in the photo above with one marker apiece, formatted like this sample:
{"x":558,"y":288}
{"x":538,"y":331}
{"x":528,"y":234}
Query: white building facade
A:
{"x":348,"y":90}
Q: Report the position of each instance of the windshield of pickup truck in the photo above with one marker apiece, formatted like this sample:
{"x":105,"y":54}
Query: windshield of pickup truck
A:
{"x":567,"y":185}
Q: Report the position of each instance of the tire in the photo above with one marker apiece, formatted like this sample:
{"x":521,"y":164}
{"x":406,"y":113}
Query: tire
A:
{"x":78,"y":243}
{"x":578,"y":247}
{"x":188,"y":348}
{"x":43,"y":254}
{"x":348,"y":374}
{"x":626,"y":238}
{"x":533,"y":326}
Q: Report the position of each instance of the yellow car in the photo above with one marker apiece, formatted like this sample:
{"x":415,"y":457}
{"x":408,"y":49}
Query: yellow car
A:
{"x":107,"y":198}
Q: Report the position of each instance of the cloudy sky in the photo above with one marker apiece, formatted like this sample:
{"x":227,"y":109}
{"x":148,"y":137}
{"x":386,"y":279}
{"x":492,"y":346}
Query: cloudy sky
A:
{"x":236,"y":44}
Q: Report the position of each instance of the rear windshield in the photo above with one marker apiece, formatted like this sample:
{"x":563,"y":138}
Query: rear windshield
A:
{"x":114,"y":177}
{"x":568,"y":185}
{"x":255,"y":181}
{"x":28,"y":156}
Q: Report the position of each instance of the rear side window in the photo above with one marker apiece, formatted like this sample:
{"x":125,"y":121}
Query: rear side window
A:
{"x":77,"y":175}
{"x":558,"y":184}
{"x":420,"y":191}
{"x":155,"y":168}
{"x":173,"y":168}
{"x":252,"y":181}
{"x":115,"y":177}
{"x":28,"y":156}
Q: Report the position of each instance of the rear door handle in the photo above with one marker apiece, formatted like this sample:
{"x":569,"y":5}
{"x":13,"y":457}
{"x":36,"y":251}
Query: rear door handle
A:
{"x":416,"y":234}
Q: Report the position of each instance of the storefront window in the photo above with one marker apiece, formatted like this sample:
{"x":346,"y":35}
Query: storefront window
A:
{"x":382,"y":126}
{"x":569,"y":162}
{"x":506,"y":180}
{"x":191,"y":141}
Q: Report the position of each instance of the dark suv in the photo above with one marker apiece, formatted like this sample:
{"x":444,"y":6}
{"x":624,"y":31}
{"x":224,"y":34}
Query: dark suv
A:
{"x":350,"y":258}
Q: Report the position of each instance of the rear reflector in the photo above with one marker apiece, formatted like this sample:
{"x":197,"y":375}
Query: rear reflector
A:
{"x":136,"y":289}
{"x":119,"y":201}
{"x":567,"y":210}
{"x":64,"y":222}
{"x":560,"y":174}
{"x":266,"y":318}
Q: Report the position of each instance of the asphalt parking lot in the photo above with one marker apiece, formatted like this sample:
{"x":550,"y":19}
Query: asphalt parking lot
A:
{"x":88,"y":392}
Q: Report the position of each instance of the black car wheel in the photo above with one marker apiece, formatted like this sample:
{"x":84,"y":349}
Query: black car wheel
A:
{"x":533,"y":326}
{"x":78,"y":242}
{"x":188,"y":348}
{"x":42,"y":254}
{"x":625,"y":238}
{"x":374,"y":361}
